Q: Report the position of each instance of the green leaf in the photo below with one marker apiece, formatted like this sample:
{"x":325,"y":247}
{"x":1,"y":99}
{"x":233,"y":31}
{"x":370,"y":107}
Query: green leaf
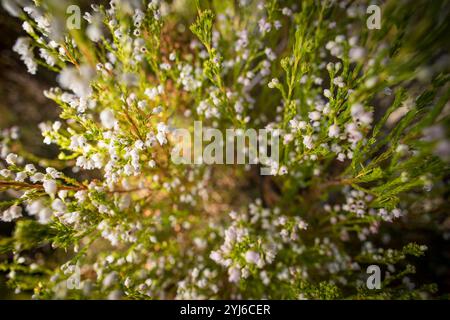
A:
{"x":202,"y":28}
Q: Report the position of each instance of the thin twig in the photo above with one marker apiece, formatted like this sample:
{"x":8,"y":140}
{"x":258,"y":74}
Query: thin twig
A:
{"x":24,"y":185}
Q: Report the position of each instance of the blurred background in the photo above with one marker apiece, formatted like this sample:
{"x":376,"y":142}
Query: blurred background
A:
{"x":22,"y":104}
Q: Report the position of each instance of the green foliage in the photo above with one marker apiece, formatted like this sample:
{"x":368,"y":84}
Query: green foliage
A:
{"x":362,"y":120}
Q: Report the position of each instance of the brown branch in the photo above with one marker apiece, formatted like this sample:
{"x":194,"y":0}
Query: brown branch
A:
{"x":72,"y":59}
{"x":336,"y":182}
{"x":24,"y":185}
{"x":131,"y":121}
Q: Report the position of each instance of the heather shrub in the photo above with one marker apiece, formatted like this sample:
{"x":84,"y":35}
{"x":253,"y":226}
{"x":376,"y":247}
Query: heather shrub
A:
{"x":358,"y":101}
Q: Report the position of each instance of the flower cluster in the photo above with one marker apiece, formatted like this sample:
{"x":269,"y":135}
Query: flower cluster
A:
{"x":253,"y":240}
{"x":361,"y":115}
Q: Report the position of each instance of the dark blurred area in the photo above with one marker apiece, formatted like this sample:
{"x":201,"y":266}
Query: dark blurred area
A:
{"x":23,"y":104}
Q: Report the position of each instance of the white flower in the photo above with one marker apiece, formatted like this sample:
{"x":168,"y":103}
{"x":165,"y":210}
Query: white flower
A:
{"x":23,"y":48}
{"x":215,"y":256}
{"x":11,"y":158}
{"x":161,"y":135}
{"x":97,"y":159}
{"x":152,"y":93}
{"x":44,"y":215}
{"x":142,"y":104}
{"x":128,"y":170}
{"x":360,"y":115}
{"x":34,"y":207}
{"x":59,"y":206}
{"x":110,"y":279}
{"x":27,"y":27}
{"x":356,"y":109}
{"x":234,"y":274}
{"x":341,"y":157}
{"x":107,"y":118}
{"x":139,"y":144}
{"x":80,"y":195}
{"x":308,"y":142}
{"x":77,"y":80}
{"x":277,"y":24}
{"x":372,"y":81}
{"x":330,"y":66}
{"x":49,"y":59}
{"x":287,"y":138}
{"x":274,"y":82}
{"x":333,"y":131}
{"x":165,"y":66}
{"x":6,"y":173}
{"x":53,"y":172}
{"x":353,"y":132}
{"x":77,"y":141}
{"x":252,"y":257}
{"x":12,"y":213}
{"x":270,"y":54}
{"x":357,"y":53}
{"x":339,"y":81}
{"x":302,"y":225}
{"x":264,"y":26}
{"x":30,"y":168}
{"x":94,"y":32}
{"x":297,"y":125}
{"x":366,"y":118}
{"x":157,"y":110}
{"x":21,"y":176}
{"x":50,"y":186}
{"x":238,"y":107}
{"x":37,"y":177}
{"x":315,"y":115}
{"x":286,"y":11}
